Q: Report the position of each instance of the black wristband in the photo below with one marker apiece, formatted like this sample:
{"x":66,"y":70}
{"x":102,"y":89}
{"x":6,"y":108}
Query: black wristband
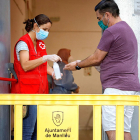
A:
{"x":77,"y":67}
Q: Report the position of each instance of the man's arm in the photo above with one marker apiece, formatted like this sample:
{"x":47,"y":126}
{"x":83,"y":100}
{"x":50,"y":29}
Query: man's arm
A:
{"x":93,"y":60}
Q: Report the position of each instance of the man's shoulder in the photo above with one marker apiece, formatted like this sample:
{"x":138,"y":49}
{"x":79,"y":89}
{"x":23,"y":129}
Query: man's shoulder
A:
{"x":118,"y":26}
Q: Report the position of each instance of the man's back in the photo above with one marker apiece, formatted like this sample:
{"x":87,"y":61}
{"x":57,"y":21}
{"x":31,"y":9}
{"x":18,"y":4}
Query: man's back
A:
{"x":119,"y":68}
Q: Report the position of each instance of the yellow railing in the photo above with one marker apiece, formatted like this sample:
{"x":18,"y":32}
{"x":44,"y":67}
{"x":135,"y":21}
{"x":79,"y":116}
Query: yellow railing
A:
{"x":72,"y":100}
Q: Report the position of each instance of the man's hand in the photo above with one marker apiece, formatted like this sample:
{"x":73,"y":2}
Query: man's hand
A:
{"x":71,"y":66}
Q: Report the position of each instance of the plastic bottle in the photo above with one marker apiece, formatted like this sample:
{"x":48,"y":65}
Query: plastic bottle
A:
{"x":56,"y":71}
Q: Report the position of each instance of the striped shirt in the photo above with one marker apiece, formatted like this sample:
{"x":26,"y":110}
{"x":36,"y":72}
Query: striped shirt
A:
{"x":21,"y":45}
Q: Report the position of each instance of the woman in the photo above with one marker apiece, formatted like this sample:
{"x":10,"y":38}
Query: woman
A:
{"x":31,"y":67}
{"x":66,"y":85}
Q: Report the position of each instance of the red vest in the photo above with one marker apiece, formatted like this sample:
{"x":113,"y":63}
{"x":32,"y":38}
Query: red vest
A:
{"x":33,"y":81}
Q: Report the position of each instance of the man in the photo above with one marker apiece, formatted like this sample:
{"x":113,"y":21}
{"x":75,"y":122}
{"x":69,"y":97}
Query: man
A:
{"x":117,"y":54}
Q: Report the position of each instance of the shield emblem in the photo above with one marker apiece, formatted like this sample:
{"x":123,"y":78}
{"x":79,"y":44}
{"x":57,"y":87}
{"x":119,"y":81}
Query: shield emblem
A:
{"x":57,"y":117}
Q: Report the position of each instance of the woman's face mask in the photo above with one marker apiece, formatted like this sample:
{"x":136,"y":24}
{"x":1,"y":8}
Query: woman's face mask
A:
{"x":101,"y":24}
{"x":41,"y":35}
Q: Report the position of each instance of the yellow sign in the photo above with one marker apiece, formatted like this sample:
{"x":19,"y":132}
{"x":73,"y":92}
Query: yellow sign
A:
{"x":58,"y":122}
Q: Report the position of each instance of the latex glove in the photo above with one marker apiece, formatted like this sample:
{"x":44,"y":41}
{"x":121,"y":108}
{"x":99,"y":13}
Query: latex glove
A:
{"x":53,"y":57}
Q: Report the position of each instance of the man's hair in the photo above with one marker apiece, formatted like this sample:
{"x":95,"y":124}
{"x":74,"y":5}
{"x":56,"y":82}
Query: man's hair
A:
{"x":108,"y":6}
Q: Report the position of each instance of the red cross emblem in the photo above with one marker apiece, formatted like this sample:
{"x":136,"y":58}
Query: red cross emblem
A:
{"x":41,"y":45}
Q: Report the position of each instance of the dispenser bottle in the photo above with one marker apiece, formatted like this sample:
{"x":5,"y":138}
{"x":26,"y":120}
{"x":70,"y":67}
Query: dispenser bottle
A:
{"x":56,"y":71}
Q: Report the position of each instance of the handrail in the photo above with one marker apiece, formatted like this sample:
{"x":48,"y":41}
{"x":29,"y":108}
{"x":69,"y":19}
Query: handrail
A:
{"x":73,"y":100}
{"x":8,"y":79}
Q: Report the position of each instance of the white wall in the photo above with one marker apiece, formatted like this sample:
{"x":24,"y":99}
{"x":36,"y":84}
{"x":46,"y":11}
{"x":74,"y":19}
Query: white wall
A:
{"x":77,"y":30}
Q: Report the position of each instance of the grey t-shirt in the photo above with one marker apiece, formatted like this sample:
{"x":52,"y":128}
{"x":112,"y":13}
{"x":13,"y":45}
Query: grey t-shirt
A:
{"x":119,"y":69}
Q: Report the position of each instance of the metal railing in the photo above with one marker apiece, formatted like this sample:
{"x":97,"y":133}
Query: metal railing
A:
{"x":72,"y":100}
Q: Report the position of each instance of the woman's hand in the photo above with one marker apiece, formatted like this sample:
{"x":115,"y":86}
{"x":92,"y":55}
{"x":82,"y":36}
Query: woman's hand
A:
{"x":53,"y":76}
{"x":53,"y":57}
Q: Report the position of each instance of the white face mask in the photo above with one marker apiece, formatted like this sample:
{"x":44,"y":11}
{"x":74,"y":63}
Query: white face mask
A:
{"x":70,"y":59}
{"x":41,"y":35}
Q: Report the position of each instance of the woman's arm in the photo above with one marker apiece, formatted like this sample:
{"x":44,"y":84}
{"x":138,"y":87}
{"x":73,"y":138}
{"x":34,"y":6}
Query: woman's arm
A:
{"x":50,"y":70}
{"x":31,"y":64}
{"x":27,"y":64}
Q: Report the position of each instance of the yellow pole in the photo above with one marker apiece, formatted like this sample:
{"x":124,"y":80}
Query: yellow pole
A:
{"x":119,"y":122}
{"x":139,"y":119}
{"x":38,"y":123}
{"x":96,"y":122}
{"x":18,"y":122}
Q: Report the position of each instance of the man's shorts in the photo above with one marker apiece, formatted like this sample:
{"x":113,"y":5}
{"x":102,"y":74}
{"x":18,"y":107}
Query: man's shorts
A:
{"x":109,"y":112}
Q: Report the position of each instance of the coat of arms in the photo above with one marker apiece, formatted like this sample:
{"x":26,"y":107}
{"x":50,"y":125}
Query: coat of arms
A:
{"x":57,"y":117}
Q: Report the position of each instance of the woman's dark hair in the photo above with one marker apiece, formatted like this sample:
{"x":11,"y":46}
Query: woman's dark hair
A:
{"x":108,"y":6}
{"x":40,"y":19}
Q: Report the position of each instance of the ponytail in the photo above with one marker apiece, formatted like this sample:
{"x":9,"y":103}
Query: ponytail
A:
{"x":29,"y":24}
